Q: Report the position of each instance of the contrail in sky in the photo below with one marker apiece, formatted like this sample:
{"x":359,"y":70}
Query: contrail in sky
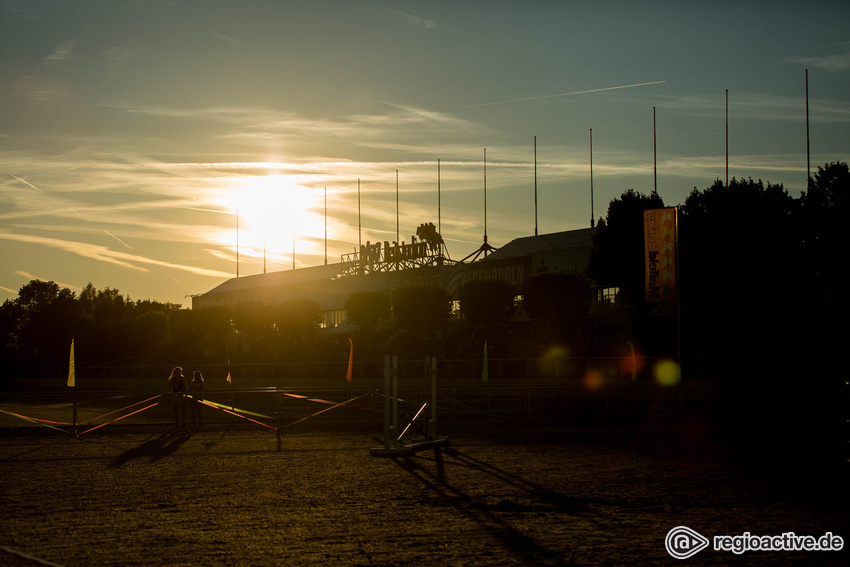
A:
{"x":566,"y":94}
{"x":25,"y":182}
{"x":118,"y":239}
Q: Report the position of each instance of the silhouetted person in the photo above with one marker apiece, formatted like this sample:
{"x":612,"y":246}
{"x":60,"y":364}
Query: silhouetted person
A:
{"x":197,"y":389}
{"x":177,"y":388}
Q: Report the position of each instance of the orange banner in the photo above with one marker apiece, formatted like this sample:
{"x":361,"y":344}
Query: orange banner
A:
{"x":659,"y":227}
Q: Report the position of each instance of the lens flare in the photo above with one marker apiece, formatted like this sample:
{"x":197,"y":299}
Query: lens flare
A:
{"x":552,"y":362}
{"x":667,"y":373}
{"x":593,"y":380}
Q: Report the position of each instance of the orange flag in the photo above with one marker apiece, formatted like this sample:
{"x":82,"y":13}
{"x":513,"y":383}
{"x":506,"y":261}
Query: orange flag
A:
{"x":350,"y":361}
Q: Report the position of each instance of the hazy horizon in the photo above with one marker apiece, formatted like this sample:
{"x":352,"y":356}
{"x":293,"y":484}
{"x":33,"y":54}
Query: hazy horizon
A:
{"x":131,"y":133}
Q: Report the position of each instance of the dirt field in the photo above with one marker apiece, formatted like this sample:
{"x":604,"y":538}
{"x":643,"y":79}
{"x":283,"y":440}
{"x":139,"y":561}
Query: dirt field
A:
{"x":495,"y":495}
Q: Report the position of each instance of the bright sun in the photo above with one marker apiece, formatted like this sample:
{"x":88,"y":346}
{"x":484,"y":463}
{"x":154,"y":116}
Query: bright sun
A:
{"x":274,"y":211}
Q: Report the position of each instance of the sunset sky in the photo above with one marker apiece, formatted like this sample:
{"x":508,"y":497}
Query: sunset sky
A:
{"x":132,"y":131}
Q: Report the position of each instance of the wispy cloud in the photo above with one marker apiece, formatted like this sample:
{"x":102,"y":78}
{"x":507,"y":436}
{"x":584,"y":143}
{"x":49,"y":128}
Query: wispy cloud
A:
{"x":104,"y":254}
{"x":62,"y":53}
{"x":414,"y":19}
{"x":223,"y":37}
{"x":31,"y":277}
{"x":760,"y":106}
{"x":566,"y":94}
{"x":835,"y":62}
{"x":42,"y":90}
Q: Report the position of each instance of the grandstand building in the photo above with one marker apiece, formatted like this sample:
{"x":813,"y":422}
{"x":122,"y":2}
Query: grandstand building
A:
{"x":388,"y":266}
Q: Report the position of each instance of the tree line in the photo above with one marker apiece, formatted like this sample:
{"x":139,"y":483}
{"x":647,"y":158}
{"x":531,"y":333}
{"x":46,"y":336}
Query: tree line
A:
{"x":758,"y":275}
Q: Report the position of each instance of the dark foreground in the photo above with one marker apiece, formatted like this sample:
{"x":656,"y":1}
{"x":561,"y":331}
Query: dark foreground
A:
{"x":496,"y":495}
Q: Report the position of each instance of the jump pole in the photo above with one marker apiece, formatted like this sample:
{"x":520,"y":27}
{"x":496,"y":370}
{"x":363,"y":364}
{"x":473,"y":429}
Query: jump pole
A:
{"x":392,"y":439}
{"x":431,"y":386}
{"x":392,"y":445}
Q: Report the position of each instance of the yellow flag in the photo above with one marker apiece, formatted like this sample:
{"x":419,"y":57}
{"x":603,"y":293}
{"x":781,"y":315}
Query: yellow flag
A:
{"x":72,"y":370}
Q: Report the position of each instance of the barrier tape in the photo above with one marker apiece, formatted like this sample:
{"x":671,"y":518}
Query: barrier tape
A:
{"x":219,"y":407}
{"x":225,"y":406}
{"x":412,"y":421}
{"x":119,"y":410}
{"x":118,"y":419}
{"x":43,"y":422}
{"x":326,"y":409}
{"x":317,"y":400}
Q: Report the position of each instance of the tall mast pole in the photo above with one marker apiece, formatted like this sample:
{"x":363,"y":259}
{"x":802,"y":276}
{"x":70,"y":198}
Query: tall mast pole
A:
{"x":808,"y":154}
{"x":326,"y":226}
{"x":359,"y":225}
{"x":654,"y":157}
{"x":592,"y":216}
{"x":237,"y":243}
{"x":397,"y":233}
{"x":727,"y":137}
{"x":535,"y":185}
{"x":485,"y":195}
{"x":439,"y":205}
{"x":293,"y":250}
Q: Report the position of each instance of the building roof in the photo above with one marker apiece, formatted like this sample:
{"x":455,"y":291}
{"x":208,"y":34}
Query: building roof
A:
{"x":554,"y":242}
{"x":518,"y":248}
{"x":273,"y":279}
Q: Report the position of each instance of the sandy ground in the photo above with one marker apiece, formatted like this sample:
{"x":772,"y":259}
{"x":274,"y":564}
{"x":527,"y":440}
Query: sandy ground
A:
{"x":496,"y":494}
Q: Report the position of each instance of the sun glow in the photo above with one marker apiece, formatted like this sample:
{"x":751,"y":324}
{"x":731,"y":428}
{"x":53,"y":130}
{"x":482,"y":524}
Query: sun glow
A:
{"x":275,"y":214}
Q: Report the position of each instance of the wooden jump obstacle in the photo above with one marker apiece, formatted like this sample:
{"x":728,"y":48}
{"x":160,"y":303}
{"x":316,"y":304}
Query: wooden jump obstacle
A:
{"x":393,"y":440}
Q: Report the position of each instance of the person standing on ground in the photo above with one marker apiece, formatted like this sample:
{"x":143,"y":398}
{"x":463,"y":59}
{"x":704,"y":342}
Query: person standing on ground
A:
{"x":177,"y":389}
{"x":197,"y":389}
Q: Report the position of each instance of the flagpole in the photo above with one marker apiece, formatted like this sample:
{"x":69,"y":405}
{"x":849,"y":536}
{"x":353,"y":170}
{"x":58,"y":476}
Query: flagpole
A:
{"x":535,"y":185}
{"x":326,"y":226}
{"x":592,"y":221}
{"x":359,"y":224}
{"x":439,"y":205}
{"x":485,"y":196}
{"x":654,"y":157}
{"x":808,"y":154}
{"x":72,"y":382}
{"x":397,"y":233}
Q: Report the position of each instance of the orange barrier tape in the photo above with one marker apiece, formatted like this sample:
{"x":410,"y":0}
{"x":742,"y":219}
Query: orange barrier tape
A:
{"x":117,"y":419}
{"x":43,"y":422}
{"x":326,"y":409}
{"x":237,"y":415}
{"x":122,"y":409}
{"x":317,"y":400}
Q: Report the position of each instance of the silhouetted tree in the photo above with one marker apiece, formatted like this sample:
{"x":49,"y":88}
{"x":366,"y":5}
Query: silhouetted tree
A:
{"x":253,"y":318}
{"x":736,"y":244}
{"x":618,"y":249}
{"x":487,"y":303}
{"x":368,"y":308}
{"x":48,"y":319}
{"x":421,"y":310}
{"x":297,"y":317}
{"x":561,"y":303}
{"x":823,"y":210}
